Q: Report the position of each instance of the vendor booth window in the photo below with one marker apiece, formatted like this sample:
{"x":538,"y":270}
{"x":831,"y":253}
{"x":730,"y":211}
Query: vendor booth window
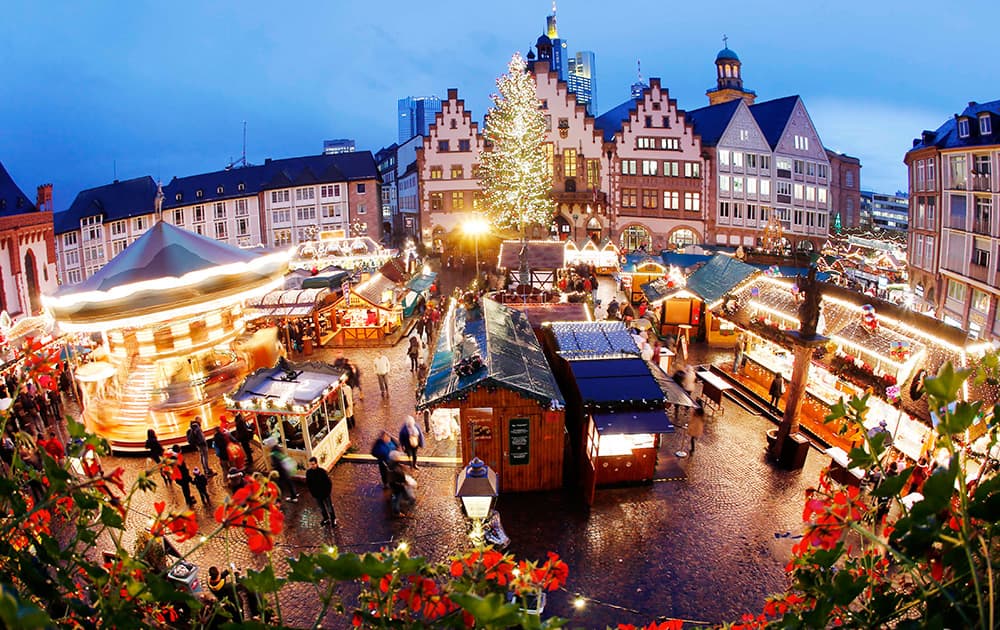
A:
{"x":318,"y":425}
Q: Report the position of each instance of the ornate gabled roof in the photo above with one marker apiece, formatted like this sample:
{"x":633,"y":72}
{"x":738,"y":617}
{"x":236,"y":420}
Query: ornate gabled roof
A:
{"x":772,"y":117}
{"x":711,"y":122}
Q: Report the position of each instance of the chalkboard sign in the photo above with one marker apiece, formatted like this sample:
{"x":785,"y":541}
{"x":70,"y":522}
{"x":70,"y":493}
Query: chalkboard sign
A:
{"x":519,"y":434}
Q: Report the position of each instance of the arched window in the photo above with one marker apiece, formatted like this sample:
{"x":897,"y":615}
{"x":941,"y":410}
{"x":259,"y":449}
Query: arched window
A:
{"x":636,"y":237}
{"x":683,"y":238}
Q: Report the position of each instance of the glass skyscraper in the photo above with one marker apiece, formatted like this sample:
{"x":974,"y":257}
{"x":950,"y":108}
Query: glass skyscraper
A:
{"x":581,"y":79}
{"x":416,"y":115}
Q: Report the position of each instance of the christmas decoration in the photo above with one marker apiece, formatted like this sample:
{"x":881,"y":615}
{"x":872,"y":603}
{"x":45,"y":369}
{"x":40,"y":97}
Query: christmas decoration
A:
{"x":869,"y":318}
{"x":514,"y":170}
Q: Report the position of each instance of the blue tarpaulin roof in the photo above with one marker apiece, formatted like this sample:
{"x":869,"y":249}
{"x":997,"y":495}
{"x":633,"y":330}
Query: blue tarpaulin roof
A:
{"x":633,"y":422}
{"x":422,"y":282}
{"x":307,"y":387}
{"x":684,"y":261}
{"x":617,"y":383}
{"x":575,"y":340}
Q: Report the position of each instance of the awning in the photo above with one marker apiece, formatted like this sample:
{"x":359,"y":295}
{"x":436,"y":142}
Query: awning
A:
{"x":421,"y":282}
{"x":632,"y":422}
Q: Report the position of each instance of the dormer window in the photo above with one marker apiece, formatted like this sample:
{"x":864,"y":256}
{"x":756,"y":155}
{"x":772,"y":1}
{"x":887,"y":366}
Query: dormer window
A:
{"x":985,"y":125}
{"x":178,"y":196}
{"x":963,"y":127}
{"x":199,"y":193}
{"x":219,"y":190}
{"x":241,"y":187}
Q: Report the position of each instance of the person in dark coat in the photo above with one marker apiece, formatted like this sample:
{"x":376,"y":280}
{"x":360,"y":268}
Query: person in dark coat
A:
{"x":398,"y":485}
{"x":184,"y":477}
{"x":280,"y":462}
{"x":412,"y":439}
{"x":613,"y":308}
{"x":200,"y":482}
{"x":155,"y":450}
{"x":196,"y":438}
{"x":383,"y":447}
{"x":320,"y":487}
{"x":776,"y":389}
{"x":244,"y":435}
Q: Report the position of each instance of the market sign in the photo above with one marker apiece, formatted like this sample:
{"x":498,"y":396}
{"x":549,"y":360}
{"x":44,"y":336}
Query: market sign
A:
{"x":519,"y":433}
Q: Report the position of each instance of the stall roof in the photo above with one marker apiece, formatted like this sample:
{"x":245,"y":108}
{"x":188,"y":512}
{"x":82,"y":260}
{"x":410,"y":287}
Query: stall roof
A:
{"x":582,"y":340}
{"x":879,"y":342}
{"x":542,"y":255}
{"x":635,"y":260}
{"x":540,"y":314}
{"x":288,"y":303}
{"x":718,"y":276}
{"x":395,"y":270}
{"x":512,"y":357}
{"x":372,"y":289}
{"x":305,"y":388}
{"x":327,"y":279}
{"x":661,"y":289}
{"x":422,"y":282}
{"x":616,"y":383}
{"x":630,"y":422}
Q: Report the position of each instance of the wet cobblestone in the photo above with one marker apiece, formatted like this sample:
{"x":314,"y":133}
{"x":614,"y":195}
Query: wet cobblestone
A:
{"x":707,"y":548}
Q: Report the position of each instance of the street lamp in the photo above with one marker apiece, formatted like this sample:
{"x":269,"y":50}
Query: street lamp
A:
{"x":476,"y":227}
{"x":576,"y":219}
{"x":476,"y":486}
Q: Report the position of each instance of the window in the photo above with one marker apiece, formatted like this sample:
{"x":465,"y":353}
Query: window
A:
{"x":982,"y":164}
{"x":649,"y":198}
{"x":282,"y":237}
{"x":980,"y":300}
{"x":458,"y":200}
{"x":981,"y":252}
{"x":200,"y":229}
{"x":326,"y":191}
{"x":821,"y":170}
{"x":178,"y":217}
{"x":798,"y":191}
{"x":811,"y":169}
{"x":443,"y":146}
{"x":671,"y":200}
{"x":477,"y":200}
{"x":242,"y":227}
{"x":361,"y":209}
{"x":241,"y":208}
{"x":330,"y":211}
{"x":73,"y":258}
{"x":738,"y":211}
{"x":784,"y":189}
{"x":751,"y":185}
{"x":724,"y":183}
{"x":453,"y":123}
{"x":219,"y":190}
{"x":751,"y":212}
{"x":692,"y":169}
{"x":645,"y":142}
{"x":802,"y":143}
{"x":69,"y":239}
{"x":279,"y":196}
{"x":670,"y":144}
{"x":931,"y":208}
{"x":724,"y":158}
{"x":963,"y":127}
{"x":93,"y":230}
{"x":799,"y":166}
{"x":929,"y":253}
{"x":692,"y":201}
{"x":336,"y":190}
{"x":118,"y":247}
{"x":305,"y":214}
{"x":985,"y":126}
{"x":737,"y":185}
{"x":744,"y":134}
{"x":464,"y":145}
{"x":765,"y":162}
{"x":73,"y":276}
{"x":199,"y":193}
{"x":628,"y":167}
{"x":765,"y":189}
{"x":821,"y":195}
{"x":199,"y":214}
{"x":437,"y":172}
{"x":139,"y":224}
{"x":280,"y":216}
{"x":797,"y":217}
{"x":958,"y":171}
{"x":178,"y":197}
{"x":117,"y":229}
{"x":784,"y":166}
{"x":810,"y":193}
{"x":751,"y":159}
{"x":666,"y":120}
{"x":629,"y":197}
{"x":724,"y":209}
{"x":437,"y":201}
{"x":220,"y":211}
{"x":670,"y":169}
{"x":649,"y":167}
{"x":593,"y":174}
{"x":221,"y":231}
{"x":93,"y":253}
{"x":921,"y":179}
{"x":737,"y":159}
{"x":810,"y":219}
{"x":360,"y":188}
{"x":457,"y":172}
{"x":683,"y":238}
{"x":305,"y":194}
{"x":649,"y":121}
{"x":956,"y":291}
{"x":569,"y":162}
{"x":241,"y":187}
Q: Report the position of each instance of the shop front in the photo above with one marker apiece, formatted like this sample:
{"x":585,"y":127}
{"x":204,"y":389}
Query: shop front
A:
{"x":367,"y":314}
{"x":603,"y":256}
{"x":304,"y":316}
{"x":300,"y":407}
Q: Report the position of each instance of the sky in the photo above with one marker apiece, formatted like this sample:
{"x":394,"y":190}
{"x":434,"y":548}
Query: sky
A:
{"x":98,"y":90}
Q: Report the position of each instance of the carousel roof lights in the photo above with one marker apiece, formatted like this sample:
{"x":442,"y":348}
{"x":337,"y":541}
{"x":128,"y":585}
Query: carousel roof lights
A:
{"x":165,"y":284}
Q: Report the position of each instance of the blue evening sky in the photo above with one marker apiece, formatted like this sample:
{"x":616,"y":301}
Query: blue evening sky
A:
{"x":162,"y":88}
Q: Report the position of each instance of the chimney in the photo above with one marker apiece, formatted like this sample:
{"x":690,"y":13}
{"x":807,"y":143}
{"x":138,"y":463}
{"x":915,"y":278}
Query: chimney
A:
{"x":267,"y":161}
{"x":973,"y":103}
{"x":43,"y":199}
{"x":452,"y":94}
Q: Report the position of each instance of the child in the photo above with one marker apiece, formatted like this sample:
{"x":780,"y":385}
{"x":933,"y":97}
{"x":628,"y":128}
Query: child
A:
{"x":200,"y":482}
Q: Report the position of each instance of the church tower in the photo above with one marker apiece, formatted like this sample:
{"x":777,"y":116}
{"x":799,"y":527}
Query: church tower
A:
{"x":729,"y":78}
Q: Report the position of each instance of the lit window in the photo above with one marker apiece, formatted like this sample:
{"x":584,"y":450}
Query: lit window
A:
{"x":569,"y":162}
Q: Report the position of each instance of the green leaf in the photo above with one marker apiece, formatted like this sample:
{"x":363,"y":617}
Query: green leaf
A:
{"x":959,"y":419}
{"x":489,"y":610}
{"x":986,"y":500}
{"x":891,"y":486}
{"x":111,"y":518}
{"x":837,"y":412}
{"x":860,"y":458}
{"x":939,"y":488}
{"x":263,"y":581}
{"x":75,"y":429}
{"x":947,"y":383}
{"x":348,"y":566}
{"x":304,"y":569}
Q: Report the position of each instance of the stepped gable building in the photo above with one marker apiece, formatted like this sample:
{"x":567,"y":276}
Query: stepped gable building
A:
{"x":27,"y":248}
{"x":447,"y":172}
{"x":657,"y":184}
{"x":954,"y":229}
{"x":277,"y":204}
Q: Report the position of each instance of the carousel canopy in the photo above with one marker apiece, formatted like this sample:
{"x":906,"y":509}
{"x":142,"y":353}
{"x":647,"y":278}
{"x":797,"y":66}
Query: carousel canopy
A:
{"x":510,"y":356}
{"x":718,"y":276}
{"x":166,"y":273}
{"x":303,"y":384}
{"x":581,"y":340}
{"x":542,"y":255}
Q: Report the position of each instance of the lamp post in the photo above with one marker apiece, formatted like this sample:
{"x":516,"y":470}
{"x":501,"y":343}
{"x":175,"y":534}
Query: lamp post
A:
{"x":476,"y":486}
{"x":576,"y":217}
{"x":476,"y":227}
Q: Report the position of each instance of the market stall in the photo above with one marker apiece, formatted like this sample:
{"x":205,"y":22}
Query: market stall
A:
{"x":604,"y":256}
{"x":358,"y":253}
{"x":308,"y":309}
{"x":301,"y":406}
{"x":543,"y":258}
{"x":637,"y":271}
{"x":418,"y":291}
{"x":490,"y":367}
{"x":367,"y":314}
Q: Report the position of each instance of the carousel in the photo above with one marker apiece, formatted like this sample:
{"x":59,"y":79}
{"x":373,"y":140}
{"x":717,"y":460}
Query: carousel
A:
{"x":169,"y":310}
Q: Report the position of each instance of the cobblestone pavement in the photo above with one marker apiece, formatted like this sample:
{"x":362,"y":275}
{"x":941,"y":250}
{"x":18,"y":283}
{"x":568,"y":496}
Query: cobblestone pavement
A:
{"x":707,"y":548}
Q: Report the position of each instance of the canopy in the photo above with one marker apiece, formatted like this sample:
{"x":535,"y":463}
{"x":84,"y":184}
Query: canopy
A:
{"x":332,"y":280}
{"x":616,"y":384}
{"x":303,"y":385}
{"x":630,"y":422}
{"x":422,"y":282}
{"x":581,"y":340}
{"x":374,"y":288}
{"x":718,"y":276}
{"x":289,"y":303}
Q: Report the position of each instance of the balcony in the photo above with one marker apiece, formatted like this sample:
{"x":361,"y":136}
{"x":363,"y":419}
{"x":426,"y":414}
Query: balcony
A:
{"x":979,"y":272}
{"x":982,"y":183}
{"x":981,"y":227}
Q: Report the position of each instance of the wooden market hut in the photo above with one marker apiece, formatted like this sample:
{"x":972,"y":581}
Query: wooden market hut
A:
{"x":712,"y":282}
{"x":310,"y":308}
{"x":367,"y":313}
{"x":301,"y":406}
{"x":489,"y":366}
{"x":637,"y":271}
{"x":604,"y":256}
{"x":544,"y":259}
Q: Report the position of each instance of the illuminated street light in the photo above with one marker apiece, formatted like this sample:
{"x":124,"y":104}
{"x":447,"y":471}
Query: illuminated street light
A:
{"x":476,"y":227}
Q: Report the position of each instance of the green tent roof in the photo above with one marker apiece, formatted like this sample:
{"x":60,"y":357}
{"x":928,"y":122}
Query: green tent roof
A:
{"x":718,"y":276}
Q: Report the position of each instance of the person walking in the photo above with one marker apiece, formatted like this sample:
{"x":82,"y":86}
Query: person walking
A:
{"x":382,"y":372}
{"x":200,"y":482}
{"x":220,"y":444}
{"x":398,"y":484}
{"x":384,"y":445}
{"x":183,"y":477}
{"x":243,"y":433}
{"x":612,"y":310}
{"x":196,"y":439}
{"x":156,"y":451}
{"x":320,"y":487}
{"x":284,"y":466}
{"x":776,"y":389}
{"x":413,"y":352}
{"x":412,"y":439}
{"x":696,"y":425}
{"x":739,"y":351}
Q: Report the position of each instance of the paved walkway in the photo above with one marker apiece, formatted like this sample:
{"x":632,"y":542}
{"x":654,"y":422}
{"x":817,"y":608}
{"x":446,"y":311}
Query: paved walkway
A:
{"x":707,"y":547}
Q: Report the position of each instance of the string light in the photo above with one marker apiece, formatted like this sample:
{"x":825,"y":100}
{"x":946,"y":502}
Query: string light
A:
{"x":403,"y":546}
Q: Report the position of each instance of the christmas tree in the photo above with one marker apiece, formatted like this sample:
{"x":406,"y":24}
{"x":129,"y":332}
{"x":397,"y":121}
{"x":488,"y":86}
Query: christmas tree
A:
{"x":513,"y":171}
